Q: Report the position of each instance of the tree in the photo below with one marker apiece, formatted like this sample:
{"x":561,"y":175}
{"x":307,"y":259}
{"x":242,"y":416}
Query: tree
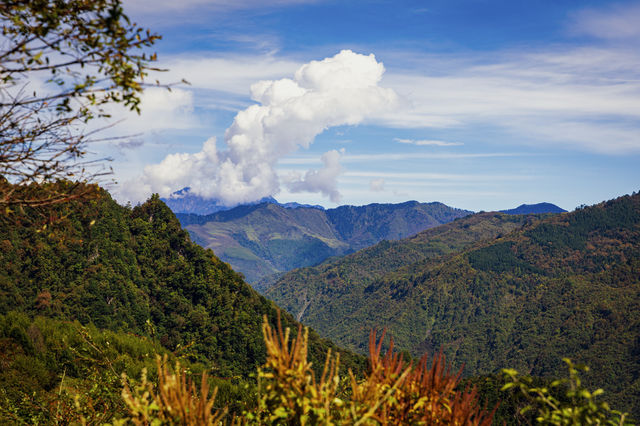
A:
{"x":61,"y":63}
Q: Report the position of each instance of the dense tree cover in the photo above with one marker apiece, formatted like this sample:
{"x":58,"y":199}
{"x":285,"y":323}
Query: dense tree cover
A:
{"x":135,"y":270}
{"x":47,"y":363}
{"x":267,"y":238}
{"x":568,"y":284}
{"x":344,"y":284}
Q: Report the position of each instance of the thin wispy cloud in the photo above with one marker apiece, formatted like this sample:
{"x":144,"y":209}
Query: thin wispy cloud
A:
{"x":376,"y":185}
{"x":617,"y":22}
{"x":413,"y":176}
{"x":427,"y":142}
{"x":553,"y":96}
{"x":388,"y":156}
{"x":227,"y":74}
{"x":535,"y":94}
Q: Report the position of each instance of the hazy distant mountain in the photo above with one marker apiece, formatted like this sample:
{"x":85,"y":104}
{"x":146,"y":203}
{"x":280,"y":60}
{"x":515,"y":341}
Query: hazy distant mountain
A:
{"x":493,"y":289}
{"x":263,"y":239}
{"x":183,"y":201}
{"x":535,"y":209}
{"x":294,"y":205}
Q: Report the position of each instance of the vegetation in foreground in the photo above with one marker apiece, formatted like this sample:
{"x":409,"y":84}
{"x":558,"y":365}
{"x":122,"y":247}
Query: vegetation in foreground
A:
{"x":289,"y":392}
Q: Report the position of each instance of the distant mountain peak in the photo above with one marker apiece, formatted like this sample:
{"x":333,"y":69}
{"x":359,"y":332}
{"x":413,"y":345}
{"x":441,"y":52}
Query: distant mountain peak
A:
{"x":184,"y":201}
{"x":538,"y":208}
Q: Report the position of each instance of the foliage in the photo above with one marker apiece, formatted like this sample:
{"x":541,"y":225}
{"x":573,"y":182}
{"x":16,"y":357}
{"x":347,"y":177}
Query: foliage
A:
{"x":391,"y":393}
{"x":579,"y":407}
{"x":342,"y":287}
{"x":522,"y":294}
{"x":136,"y":270}
{"x":46,"y":363}
{"x":61,"y":64}
{"x":175,"y":399}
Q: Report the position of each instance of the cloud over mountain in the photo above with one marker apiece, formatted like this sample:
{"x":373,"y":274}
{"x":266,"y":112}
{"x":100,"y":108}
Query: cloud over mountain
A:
{"x":289,"y":114}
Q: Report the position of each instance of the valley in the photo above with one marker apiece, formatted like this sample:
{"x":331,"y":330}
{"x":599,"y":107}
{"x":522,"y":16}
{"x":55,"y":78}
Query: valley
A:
{"x":264,"y":239}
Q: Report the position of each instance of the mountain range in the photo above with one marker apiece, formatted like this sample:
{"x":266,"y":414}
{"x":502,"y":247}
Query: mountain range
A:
{"x":183,"y":201}
{"x":493,"y":289}
{"x":264,"y":239}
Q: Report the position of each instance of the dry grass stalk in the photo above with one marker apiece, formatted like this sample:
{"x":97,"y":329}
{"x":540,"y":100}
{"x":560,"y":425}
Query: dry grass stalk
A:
{"x":176,"y":399}
{"x":394,"y":392}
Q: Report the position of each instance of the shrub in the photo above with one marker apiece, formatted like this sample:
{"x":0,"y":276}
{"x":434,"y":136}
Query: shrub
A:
{"x":565,"y":401}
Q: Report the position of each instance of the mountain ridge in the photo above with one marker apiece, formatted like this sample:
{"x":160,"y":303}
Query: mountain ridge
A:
{"x":263,"y":239}
{"x":183,"y":201}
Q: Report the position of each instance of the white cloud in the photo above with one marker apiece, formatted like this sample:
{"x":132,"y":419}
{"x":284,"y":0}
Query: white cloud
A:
{"x":427,"y":142}
{"x":231,"y":74}
{"x":551,"y":97}
{"x":324,"y":181}
{"x":341,"y":90}
{"x":130,"y":143}
{"x":615,"y":23}
{"x":391,"y":156}
{"x":376,"y":185}
{"x":535,"y":97}
{"x":423,"y":177}
{"x":160,"y":109}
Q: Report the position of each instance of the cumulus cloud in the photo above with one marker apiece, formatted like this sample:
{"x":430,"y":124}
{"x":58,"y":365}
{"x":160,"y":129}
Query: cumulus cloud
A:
{"x":427,"y":142}
{"x":289,"y":114}
{"x":324,"y":181}
{"x":376,"y":185}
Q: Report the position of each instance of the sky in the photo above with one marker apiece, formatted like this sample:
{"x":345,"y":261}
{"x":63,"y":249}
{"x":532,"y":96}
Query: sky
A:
{"x":479,"y":104}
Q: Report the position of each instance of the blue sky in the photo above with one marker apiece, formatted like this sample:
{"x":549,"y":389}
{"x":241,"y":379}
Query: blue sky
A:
{"x":481,"y":105}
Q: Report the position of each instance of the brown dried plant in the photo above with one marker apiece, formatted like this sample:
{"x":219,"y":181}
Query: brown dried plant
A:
{"x":175,"y":400}
{"x":423,"y":395}
{"x":288,"y":388}
{"x":393,"y":392}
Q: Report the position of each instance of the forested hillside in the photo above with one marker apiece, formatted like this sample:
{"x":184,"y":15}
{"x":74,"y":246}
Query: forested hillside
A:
{"x":342,"y":283}
{"x":129,"y":271}
{"x":565,"y":285}
{"x":260,"y":240}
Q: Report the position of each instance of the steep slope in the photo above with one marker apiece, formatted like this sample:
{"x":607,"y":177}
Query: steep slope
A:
{"x":342,"y":285}
{"x":135,"y":271}
{"x":567,"y":285}
{"x":264,"y":239}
